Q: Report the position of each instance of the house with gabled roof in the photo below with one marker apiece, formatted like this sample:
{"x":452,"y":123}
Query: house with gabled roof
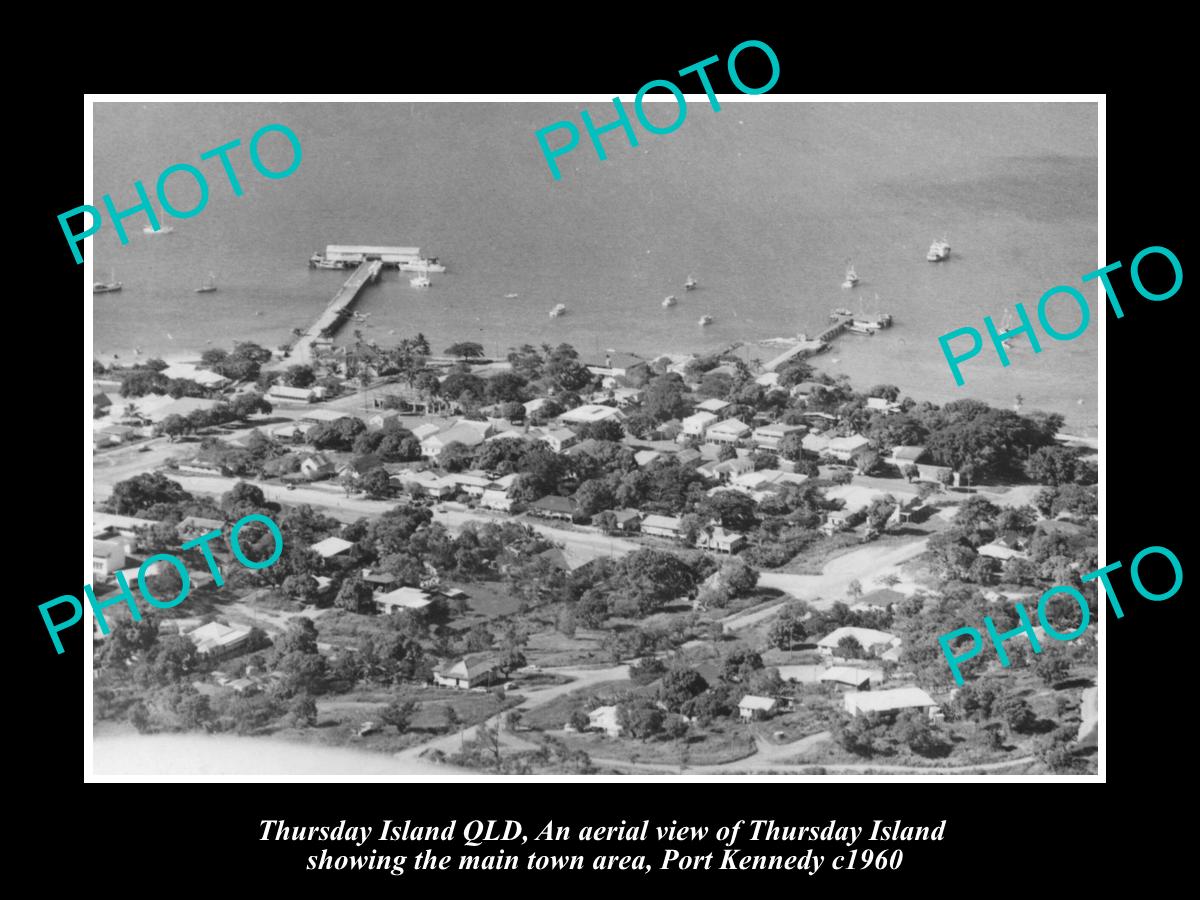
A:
{"x":472,"y":671}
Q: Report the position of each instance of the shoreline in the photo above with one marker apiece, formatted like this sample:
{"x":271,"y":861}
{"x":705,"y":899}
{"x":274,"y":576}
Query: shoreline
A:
{"x":772,"y":345}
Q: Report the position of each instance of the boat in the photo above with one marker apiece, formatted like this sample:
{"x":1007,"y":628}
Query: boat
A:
{"x":691,"y":284}
{"x":107,"y":287}
{"x":208,"y":286}
{"x":318,"y":261}
{"x":162,"y":229}
{"x":938,"y":251}
{"x":558,"y":310}
{"x":1005,"y":325}
{"x":839,"y":312}
{"x":706,"y":320}
{"x":422,"y":265}
{"x":860,"y":327}
{"x":851,"y":277}
{"x":669,"y":301}
{"x":420,"y":281}
{"x":511,"y":296}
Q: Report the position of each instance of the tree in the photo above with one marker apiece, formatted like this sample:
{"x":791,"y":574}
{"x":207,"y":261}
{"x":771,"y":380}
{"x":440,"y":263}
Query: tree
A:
{"x":1052,"y":668}
{"x":1052,"y":465}
{"x":299,"y":376}
{"x":303,"y":710}
{"x":849,"y":648}
{"x":788,"y":629}
{"x":243,"y":498}
{"x":398,"y":714}
{"x":739,"y":664}
{"x":336,"y":435}
{"x":680,"y":685}
{"x":173,"y":426}
{"x":194,"y":710}
{"x":301,"y":637}
{"x":739,"y":577}
{"x":854,"y":589}
{"x":863,"y":735}
{"x":301,"y":587}
{"x":867,"y":461}
{"x":640,"y":719}
{"x":377,"y":484}
{"x":730,"y":509}
{"x":664,"y":398}
{"x":1016,"y":713}
{"x":465,"y":350}
{"x":604,"y":430}
{"x":647,"y":670}
{"x":914,"y":729}
{"x":355,"y":595}
{"x":579,"y":720}
{"x":141,"y":492}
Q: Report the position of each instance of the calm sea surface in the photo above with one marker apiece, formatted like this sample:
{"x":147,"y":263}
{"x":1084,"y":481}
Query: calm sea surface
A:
{"x":764,"y":203}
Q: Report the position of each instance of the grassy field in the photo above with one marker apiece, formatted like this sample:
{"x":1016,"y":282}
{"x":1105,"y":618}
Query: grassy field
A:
{"x":339,"y":718}
{"x":717,"y":744}
{"x":554,"y":714}
{"x":552,"y":648}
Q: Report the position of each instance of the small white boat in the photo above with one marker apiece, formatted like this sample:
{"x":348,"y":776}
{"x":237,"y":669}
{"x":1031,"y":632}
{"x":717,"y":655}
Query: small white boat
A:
{"x":1005,"y":325}
{"x":511,"y":296}
{"x":840,"y":311}
{"x":706,"y":320}
{"x":422,"y":265}
{"x":558,"y":310}
{"x":209,"y":285}
{"x":420,"y":282}
{"x":938,"y":251}
{"x":858,"y":327}
{"x":107,"y":287}
{"x":162,"y":229}
{"x":691,"y":284}
{"x":851,"y":278}
{"x":669,"y":301}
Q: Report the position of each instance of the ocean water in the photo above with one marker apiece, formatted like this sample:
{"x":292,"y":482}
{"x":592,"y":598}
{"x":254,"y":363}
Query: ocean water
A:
{"x":763,"y":202}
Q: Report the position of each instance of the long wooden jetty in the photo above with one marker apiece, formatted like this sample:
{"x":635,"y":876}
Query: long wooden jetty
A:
{"x":334,"y":314}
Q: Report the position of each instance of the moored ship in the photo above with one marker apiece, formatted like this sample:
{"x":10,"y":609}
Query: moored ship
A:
{"x":938,"y":251}
{"x":107,"y":287}
{"x":423,"y":265}
{"x":691,"y":284}
{"x":851,"y":277}
{"x":319,"y":261}
{"x":706,"y":320}
{"x":669,"y":301}
{"x":558,"y":310}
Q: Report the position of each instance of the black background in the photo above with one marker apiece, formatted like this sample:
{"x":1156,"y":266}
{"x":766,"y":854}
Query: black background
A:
{"x":1023,"y":834}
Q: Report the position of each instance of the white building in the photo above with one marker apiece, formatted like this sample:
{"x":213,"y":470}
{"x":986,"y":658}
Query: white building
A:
{"x":871,"y":640}
{"x":107,"y":557}
{"x":857,"y":702}
{"x":591,"y":413}
{"x":754,"y":707}
{"x":604,"y":718}
{"x":697,"y":424}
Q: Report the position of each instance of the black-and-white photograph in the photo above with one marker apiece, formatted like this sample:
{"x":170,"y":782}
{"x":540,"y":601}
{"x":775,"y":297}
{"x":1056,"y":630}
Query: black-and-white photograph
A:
{"x":433,"y":441}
